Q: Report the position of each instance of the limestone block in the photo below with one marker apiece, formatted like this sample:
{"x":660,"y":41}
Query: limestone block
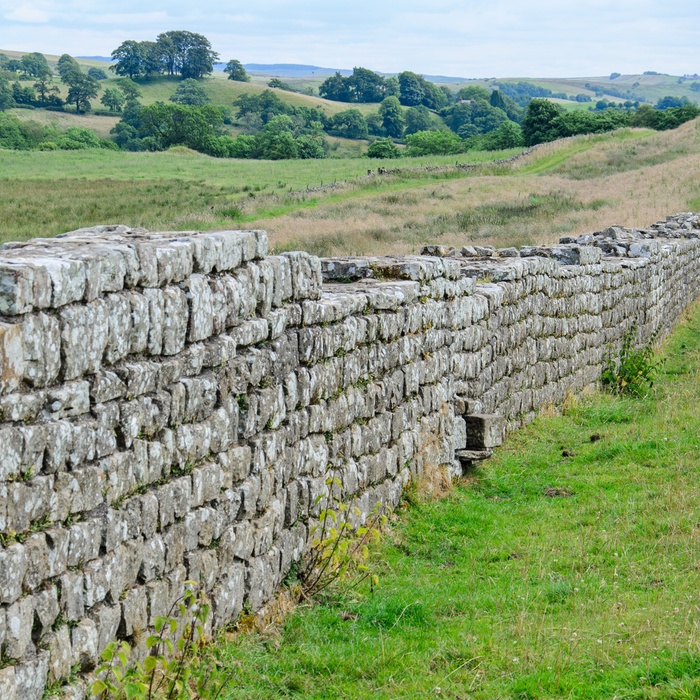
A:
{"x":201,"y":316}
{"x":84,"y":338}
{"x":30,"y":677}
{"x":484,"y":431}
{"x":84,"y":643}
{"x":8,"y":684}
{"x":41,"y":335}
{"x":119,"y":336}
{"x":175,"y":260}
{"x":71,"y":598}
{"x":18,"y":635}
{"x":69,"y":399}
{"x":175,"y":320}
{"x":134,"y":611}
{"x":46,"y":610}
{"x":12,"y":359}
{"x":227,"y":596}
{"x":12,"y":451}
{"x":60,"y":653}
{"x":153,"y":564}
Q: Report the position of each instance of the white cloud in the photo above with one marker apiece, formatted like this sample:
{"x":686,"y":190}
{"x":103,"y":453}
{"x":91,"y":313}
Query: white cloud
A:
{"x":467,"y":38}
{"x":27,"y":14}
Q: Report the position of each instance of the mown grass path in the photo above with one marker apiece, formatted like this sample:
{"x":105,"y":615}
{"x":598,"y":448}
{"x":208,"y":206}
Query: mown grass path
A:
{"x":568,"y":567}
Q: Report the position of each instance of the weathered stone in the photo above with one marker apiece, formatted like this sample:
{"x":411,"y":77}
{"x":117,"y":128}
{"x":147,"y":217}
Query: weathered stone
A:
{"x":84,"y":642}
{"x":13,"y":566}
{"x":484,"y":431}
{"x":18,"y":636}
{"x":31,"y":676}
{"x":12,"y":362}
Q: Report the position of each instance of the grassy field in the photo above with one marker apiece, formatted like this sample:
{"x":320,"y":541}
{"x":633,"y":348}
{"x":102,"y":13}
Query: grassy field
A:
{"x":47,"y":192}
{"x":631,"y":177}
{"x":566,"y":567}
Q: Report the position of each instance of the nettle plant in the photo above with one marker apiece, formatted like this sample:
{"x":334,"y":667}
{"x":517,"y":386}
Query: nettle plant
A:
{"x":180,"y":664}
{"x":340,"y":550}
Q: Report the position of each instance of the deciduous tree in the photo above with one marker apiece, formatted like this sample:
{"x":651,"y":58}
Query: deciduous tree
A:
{"x":236,"y":71}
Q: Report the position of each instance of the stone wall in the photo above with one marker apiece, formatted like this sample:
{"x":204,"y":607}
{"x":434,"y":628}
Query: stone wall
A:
{"x":171,"y":403}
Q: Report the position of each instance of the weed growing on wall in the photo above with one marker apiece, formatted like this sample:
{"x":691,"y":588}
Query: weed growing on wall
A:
{"x":179,"y":665}
{"x":632,"y":371}
{"x":339,"y":551}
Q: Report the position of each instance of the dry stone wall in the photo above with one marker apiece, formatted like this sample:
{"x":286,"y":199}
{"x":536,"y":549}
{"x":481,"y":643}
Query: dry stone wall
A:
{"x":171,"y":404}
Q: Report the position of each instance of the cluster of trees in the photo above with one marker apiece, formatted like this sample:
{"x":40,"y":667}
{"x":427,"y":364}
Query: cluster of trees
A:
{"x":29,"y":135}
{"x":546,"y":121}
{"x":31,"y":67}
{"x":367,"y":86}
{"x":278,"y":130}
{"x":82,"y":86}
{"x":522,"y":92}
{"x":176,"y":52}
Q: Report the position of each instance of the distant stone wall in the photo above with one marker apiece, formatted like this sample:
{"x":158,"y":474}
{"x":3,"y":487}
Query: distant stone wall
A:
{"x":171,"y":403}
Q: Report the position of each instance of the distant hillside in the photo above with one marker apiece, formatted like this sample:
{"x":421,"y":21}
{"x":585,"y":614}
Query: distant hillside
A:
{"x":107,"y":59}
{"x":289,"y":70}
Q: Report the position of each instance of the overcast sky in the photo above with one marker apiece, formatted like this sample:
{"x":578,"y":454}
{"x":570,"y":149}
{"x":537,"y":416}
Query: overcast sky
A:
{"x":472,"y":38}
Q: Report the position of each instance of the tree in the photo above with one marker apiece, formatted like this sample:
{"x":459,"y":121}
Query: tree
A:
{"x":538,"y":121}
{"x":114,"y":99}
{"x":374,"y":124}
{"x":186,"y":53}
{"x":68,"y":66}
{"x":6,"y":100}
{"x":47,"y":91}
{"x":507,"y":135}
{"x":418,"y":119}
{"x":97,"y":73}
{"x":129,"y":89}
{"x":173,"y":124}
{"x":669,"y":102}
{"x":411,"y":87}
{"x":311,"y":146}
{"x":34,"y":65}
{"x":383,"y":148}
{"x":129,"y":57}
{"x":236,"y":71}
{"x":349,"y":124}
{"x":365,"y":85}
{"x":190,"y":92}
{"x":81,"y":88}
{"x":496,"y":100}
{"x":276,"y":140}
{"x":267,"y":104}
{"x":334,"y":88}
{"x":473,"y":92}
{"x":22,"y":95}
{"x":280,"y":85}
{"x":392,"y":116}
{"x":424,"y":143}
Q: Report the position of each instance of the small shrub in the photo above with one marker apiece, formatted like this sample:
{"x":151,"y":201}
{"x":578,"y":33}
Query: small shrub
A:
{"x":632,"y":371}
{"x":179,"y":665}
{"x":339,"y":550}
{"x":383,"y":148}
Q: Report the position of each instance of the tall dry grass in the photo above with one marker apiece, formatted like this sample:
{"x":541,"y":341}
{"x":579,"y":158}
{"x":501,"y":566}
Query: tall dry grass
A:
{"x":612,"y":181}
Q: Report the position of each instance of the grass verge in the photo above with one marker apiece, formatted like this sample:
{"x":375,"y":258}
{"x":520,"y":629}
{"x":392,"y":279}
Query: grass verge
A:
{"x":567,"y":567}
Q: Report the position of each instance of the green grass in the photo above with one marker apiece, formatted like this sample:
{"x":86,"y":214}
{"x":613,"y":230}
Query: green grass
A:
{"x":48,"y":192}
{"x":499,"y":591}
{"x":580,"y":144}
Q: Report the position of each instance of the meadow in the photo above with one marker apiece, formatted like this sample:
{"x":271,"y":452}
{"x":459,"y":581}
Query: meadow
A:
{"x":565,"y":567}
{"x":333,"y":207}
